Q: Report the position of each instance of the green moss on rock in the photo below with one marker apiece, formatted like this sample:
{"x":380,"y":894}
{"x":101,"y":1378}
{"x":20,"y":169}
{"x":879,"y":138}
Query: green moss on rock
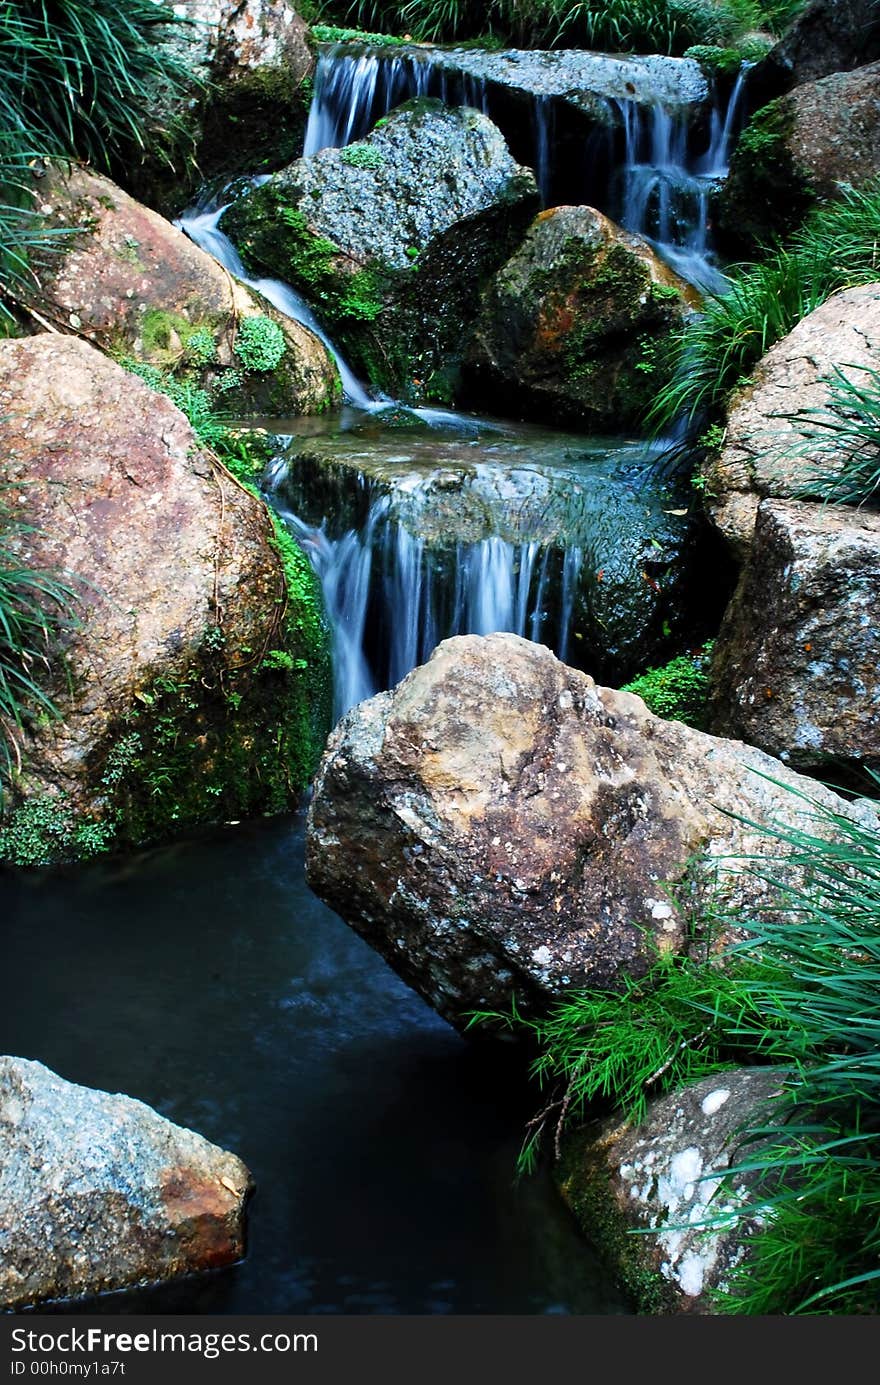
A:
{"x":583,"y":1179}
{"x":766,"y":195}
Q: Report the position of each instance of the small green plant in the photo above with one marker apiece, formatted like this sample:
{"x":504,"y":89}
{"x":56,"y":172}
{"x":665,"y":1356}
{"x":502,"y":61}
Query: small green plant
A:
{"x":362,"y":156}
{"x":45,"y":831}
{"x":200,"y":349}
{"x":260,"y":344}
{"x":679,"y":691}
{"x":35,"y":607}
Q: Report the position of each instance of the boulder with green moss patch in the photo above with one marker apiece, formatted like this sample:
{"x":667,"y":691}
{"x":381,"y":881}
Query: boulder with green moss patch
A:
{"x":137,"y":287}
{"x":800,"y":148}
{"x":576,"y":326}
{"x":193,"y":685}
{"x":392,"y":237}
{"x":665,"y":1180}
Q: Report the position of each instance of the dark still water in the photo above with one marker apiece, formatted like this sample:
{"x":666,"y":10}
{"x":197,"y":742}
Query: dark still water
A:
{"x":207,"y":980}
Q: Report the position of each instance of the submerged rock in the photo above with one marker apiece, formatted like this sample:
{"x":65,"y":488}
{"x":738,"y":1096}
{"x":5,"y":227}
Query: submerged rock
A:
{"x":499,"y":826}
{"x":767,"y":451}
{"x":190,"y":682}
{"x":246,"y":109}
{"x":664,"y":1175}
{"x":575,"y":326}
{"x":99,"y":1192}
{"x":391,"y":237}
{"x":800,"y":148}
{"x":138,"y":287}
{"x":797,"y":657}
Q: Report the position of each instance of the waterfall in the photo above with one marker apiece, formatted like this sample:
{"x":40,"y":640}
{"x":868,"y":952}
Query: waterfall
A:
{"x":661,"y":192}
{"x":202,"y":226}
{"x":391,"y":597}
{"x":665,"y":191}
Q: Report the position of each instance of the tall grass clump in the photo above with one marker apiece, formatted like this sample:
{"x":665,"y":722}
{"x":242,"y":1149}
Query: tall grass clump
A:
{"x":645,"y":26}
{"x":820,"y":1249}
{"x":78,"y":79}
{"x":801,"y":992}
{"x":846,"y":432}
{"x":837,"y":247}
{"x":34,"y":606}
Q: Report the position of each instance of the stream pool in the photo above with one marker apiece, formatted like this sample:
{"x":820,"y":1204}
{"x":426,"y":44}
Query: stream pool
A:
{"x":206,"y":979}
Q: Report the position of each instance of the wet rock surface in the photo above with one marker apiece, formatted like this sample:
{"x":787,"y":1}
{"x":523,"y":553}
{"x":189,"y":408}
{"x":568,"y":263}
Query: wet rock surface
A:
{"x":501,"y":826}
{"x":599,"y":554}
{"x":391,"y":237}
{"x":177,"y":588}
{"x":800,"y":148}
{"x":588,"y":81}
{"x":796,"y":659}
{"x":664,"y":1175}
{"x":574,"y":326}
{"x":768,"y":452}
{"x":98,"y":1192}
{"x":137,"y":286}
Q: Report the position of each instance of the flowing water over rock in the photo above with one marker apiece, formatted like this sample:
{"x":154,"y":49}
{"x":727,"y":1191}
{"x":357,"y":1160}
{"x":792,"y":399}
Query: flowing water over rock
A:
{"x":642,"y":139}
{"x":418,"y":535}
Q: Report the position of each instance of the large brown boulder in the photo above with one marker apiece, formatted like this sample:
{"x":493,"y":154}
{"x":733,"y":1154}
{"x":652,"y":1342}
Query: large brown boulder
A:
{"x":392,"y":237}
{"x":99,"y":1192}
{"x":798,"y":148}
{"x":766,"y":450}
{"x":797,"y":657}
{"x":171,"y":712}
{"x":500,"y":826}
{"x":574,"y":326}
{"x":665,"y":1176}
{"x":139,"y":288}
{"x":246,"y":108}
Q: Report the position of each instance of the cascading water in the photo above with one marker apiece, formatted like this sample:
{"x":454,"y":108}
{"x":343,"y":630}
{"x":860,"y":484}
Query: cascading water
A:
{"x":202,"y":225}
{"x":665,"y":191}
{"x":384,"y":570}
{"x":390,"y":594}
{"x":660,"y":191}
{"x":549,"y":537}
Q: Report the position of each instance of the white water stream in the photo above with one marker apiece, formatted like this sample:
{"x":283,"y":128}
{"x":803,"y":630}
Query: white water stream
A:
{"x":381,"y":573}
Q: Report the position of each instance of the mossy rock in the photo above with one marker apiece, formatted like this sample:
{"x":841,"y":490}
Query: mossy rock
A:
{"x":576,"y":327}
{"x":194,"y":685}
{"x":391,"y":239}
{"x":766,"y":195}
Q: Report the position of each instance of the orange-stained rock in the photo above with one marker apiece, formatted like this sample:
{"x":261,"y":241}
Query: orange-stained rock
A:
{"x":574,"y":326}
{"x":99,"y":1192}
